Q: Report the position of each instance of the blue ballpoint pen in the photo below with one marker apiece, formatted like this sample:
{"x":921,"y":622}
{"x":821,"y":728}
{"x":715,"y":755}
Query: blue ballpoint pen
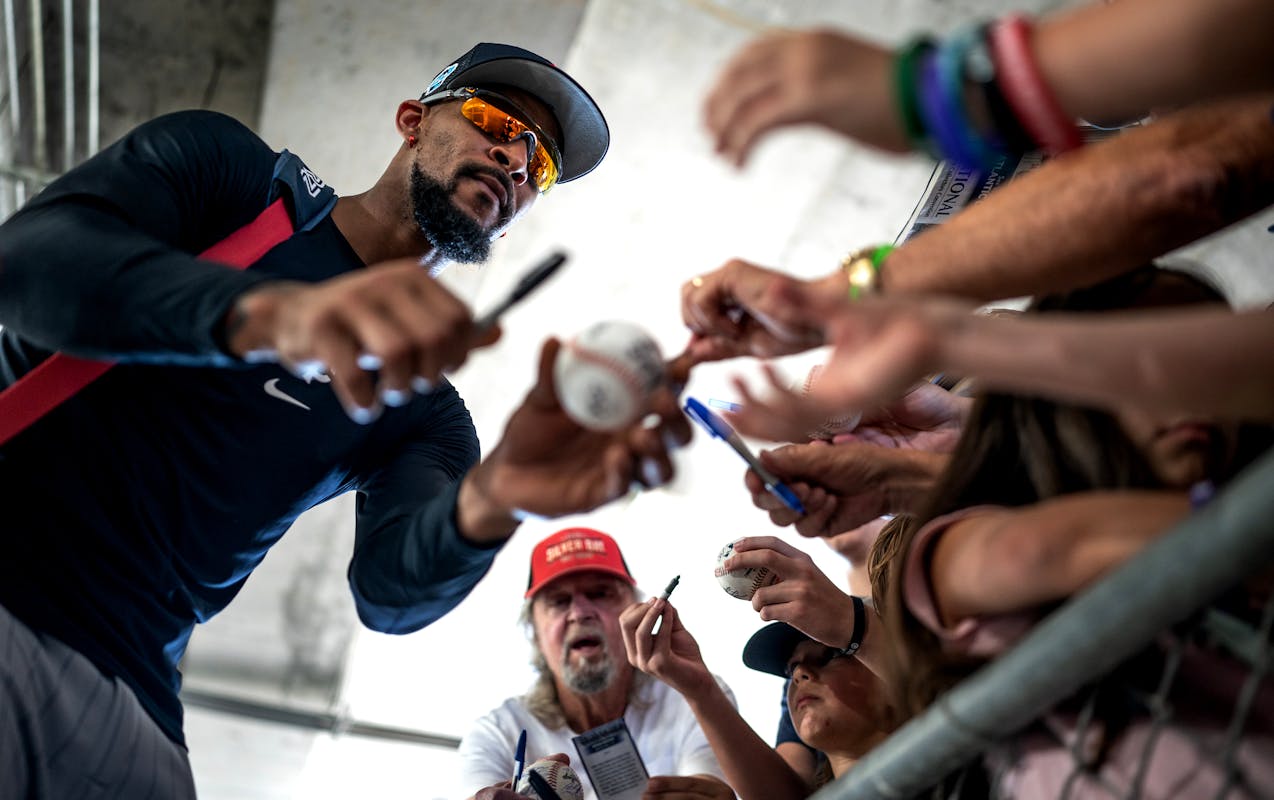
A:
{"x":519,"y":759}
{"x":721,"y":429}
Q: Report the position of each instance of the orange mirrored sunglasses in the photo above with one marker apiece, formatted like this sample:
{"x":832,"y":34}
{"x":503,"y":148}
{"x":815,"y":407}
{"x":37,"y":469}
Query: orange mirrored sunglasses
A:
{"x":486,"y":110}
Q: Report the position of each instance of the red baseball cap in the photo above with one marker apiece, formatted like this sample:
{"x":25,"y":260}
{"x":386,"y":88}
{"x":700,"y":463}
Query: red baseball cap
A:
{"x":575,"y":550}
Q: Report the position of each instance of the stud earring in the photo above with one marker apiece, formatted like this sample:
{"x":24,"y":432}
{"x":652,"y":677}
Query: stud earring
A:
{"x":411,"y":141}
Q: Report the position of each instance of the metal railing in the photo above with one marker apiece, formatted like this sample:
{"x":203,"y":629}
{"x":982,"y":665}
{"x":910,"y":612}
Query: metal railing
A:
{"x":1177,"y":576}
{"x":31,"y":153}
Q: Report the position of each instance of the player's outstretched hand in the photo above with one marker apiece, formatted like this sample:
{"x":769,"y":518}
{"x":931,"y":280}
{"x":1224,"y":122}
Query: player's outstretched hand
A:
{"x":687,"y":787}
{"x":803,"y":596}
{"x":671,"y":655}
{"x":547,"y":465}
{"x":380,"y":333}
{"x":814,"y":77}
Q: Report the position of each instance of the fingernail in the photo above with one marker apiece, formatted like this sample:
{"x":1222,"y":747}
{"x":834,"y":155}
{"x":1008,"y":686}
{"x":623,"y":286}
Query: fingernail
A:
{"x":651,"y":473}
{"x":310,"y":370}
{"x":670,"y":441}
{"x":395,"y":397}
{"x":361,"y":415}
{"x":421,"y":385}
{"x":369,"y":362}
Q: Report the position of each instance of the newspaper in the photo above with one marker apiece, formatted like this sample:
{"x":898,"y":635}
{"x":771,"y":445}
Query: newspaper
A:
{"x":952,"y":188}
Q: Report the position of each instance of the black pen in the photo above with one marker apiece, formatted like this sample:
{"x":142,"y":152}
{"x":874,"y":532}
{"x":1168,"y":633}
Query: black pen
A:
{"x":525,"y":286}
{"x":672,"y":584}
{"x":541,"y":786}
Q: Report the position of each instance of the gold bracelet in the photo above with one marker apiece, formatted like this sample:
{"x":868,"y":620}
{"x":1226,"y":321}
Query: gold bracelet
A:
{"x":862,"y":269}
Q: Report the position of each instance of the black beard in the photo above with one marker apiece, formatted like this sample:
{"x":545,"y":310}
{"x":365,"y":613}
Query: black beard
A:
{"x":453,"y":233}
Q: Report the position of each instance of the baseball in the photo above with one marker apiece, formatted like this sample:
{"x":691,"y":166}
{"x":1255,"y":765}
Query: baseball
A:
{"x":561,"y":778}
{"x":741,"y":583}
{"x":606,"y":375}
{"x":828,"y":428}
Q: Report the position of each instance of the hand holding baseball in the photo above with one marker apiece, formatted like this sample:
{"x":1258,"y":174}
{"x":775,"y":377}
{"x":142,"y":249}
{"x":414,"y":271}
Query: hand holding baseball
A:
{"x":740,"y":582}
{"x":606,"y":376}
{"x":557,"y":773}
{"x":504,"y":789}
{"x":549,"y":465}
{"x":671,"y":655}
{"x":803,"y":597}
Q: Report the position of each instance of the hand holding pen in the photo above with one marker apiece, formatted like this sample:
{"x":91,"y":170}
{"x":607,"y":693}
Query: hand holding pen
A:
{"x":658,"y":644}
{"x":720,"y":429}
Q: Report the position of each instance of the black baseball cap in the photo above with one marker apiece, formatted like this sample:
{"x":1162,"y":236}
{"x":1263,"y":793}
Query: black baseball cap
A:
{"x":585,"y":134}
{"x":770,"y":648}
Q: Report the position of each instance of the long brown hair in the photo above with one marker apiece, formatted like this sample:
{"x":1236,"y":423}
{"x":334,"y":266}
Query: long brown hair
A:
{"x":1016,"y":451}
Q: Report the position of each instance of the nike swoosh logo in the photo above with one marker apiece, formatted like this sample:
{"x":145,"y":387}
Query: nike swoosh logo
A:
{"x":272,"y":389}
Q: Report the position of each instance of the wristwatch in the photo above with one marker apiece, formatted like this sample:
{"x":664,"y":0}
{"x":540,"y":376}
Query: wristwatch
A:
{"x":862,"y":269}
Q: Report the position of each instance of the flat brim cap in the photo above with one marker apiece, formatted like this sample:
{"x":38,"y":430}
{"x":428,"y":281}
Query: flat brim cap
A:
{"x":585,"y":134}
{"x":770,"y":648}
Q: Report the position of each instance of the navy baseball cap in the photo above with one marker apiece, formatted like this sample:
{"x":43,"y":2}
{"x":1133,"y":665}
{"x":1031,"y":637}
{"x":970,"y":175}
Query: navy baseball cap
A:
{"x":585,"y":134}
{"x":770,"y":648}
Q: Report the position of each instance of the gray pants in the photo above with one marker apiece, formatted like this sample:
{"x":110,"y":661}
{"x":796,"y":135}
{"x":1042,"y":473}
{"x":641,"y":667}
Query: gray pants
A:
{"x":68,"y":731}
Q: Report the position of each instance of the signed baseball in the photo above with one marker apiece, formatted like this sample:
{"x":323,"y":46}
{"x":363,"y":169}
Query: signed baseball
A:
{"x":606,"y":375}
{"x":561,"y":779}
{"x":833,"y":426}
{"x":741,"y":583}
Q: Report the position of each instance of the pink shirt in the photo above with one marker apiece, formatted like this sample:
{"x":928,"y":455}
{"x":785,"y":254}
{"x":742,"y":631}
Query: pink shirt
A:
{"x":1185,"y":760}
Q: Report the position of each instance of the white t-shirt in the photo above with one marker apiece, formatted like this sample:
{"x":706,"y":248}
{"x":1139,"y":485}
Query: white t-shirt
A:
{"x":663,"y":728}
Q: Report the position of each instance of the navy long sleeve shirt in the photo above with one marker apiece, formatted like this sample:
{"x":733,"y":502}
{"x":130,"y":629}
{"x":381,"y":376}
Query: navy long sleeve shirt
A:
{"x":140,"y":506}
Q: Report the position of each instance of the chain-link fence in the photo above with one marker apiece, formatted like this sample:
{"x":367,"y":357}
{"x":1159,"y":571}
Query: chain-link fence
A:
{"x":1152,"y":683}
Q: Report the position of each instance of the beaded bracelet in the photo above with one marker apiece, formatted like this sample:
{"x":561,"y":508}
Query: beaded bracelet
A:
{"x":976,"y":150}
{"x":1007,"y":132}
{"x":938,"y":118}
{"x":1024,"y":88}
{"x":905,"y":83}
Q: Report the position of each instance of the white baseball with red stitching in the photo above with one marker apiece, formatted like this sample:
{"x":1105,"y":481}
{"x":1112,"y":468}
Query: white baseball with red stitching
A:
{"x":832,"y":426}
{"x":741,"y":583}
{"x":561,"y":778}
{"x":606,"y":375}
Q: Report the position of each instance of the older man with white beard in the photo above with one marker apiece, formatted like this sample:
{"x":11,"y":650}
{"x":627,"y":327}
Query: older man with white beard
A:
{"x":578,"y":588}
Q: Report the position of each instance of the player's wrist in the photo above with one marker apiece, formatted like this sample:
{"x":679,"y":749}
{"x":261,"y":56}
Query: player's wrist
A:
{"x":248,"y":327}
{"x":480,"y":518}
